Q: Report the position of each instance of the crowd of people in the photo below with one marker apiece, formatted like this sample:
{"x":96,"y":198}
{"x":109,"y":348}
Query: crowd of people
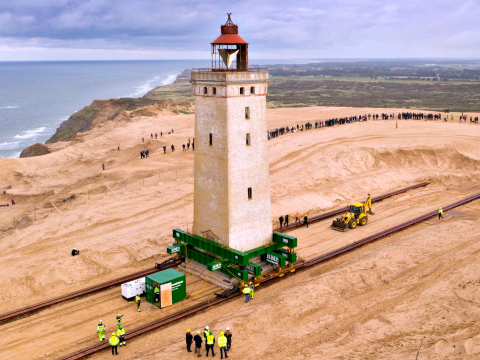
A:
{"x":285,"y":220}
{"x":357,"y":118}
{"x":118,"y":336}
{"x":224,"y":342}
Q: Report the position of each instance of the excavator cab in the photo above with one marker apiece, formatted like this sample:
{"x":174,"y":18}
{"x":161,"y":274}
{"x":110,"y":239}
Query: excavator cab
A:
{"x":357,"y":215}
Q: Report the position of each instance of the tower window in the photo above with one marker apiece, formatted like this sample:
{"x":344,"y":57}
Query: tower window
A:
{"x":248,"y":139}
{"x":214,"y":91}
{"x":205,"y":90}
{"x":242,"y":91}
{"x":249,"y":193}
{"x":252,"y":90}
{"x":210,"y":139}
{"x":247,"y":113}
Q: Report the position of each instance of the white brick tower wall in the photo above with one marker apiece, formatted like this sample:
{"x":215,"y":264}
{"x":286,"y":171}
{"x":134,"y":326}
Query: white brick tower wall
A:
{"x":226,"y":169}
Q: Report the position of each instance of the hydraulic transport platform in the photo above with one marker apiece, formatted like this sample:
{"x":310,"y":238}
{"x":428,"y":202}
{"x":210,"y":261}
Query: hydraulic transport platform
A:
{"x":233,"y":263}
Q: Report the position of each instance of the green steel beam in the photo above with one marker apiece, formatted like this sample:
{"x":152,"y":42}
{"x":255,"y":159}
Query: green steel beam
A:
{"x":234,"y":256}
{"x":274,"y":259}
{"x":285,"y":240}
{"x":290,"y":257}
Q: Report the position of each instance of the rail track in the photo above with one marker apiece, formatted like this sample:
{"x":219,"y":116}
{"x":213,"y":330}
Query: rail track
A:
{"x":12,"y":315}
{"x":157,"y":324}
{"x":344,"y":209}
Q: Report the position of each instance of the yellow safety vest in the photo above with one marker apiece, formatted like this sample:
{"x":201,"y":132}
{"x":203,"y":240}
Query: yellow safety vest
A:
{"x":205,"y":333}
{"x":137,"y":298}
{"x":100,"y":328}
{"x":157,"y":290}
{"x":121,"y":332}
{"x":246,"y":290}
{"x":222,"y":341}
{"x":113,"y":340}
{"x":440,"y":211}
{"x":210,"y":339}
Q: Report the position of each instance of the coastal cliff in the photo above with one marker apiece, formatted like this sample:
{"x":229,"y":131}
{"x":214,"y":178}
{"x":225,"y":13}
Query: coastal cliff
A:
{"x":176,"y":98}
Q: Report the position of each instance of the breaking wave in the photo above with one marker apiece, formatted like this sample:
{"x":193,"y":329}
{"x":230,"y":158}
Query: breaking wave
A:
{"x":29,"y":134}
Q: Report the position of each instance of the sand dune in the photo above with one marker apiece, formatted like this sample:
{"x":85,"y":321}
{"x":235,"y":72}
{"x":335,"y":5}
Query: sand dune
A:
{"x":375,"y":304}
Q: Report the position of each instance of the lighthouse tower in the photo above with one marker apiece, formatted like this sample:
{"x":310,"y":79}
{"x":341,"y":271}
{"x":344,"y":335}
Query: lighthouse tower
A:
{"x":232,"y":187}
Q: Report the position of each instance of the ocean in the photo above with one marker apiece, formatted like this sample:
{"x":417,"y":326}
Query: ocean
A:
{"x":35,"y":97}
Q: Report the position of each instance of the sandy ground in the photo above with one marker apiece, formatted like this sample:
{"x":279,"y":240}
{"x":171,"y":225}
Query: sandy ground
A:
{"x":377,"y":303}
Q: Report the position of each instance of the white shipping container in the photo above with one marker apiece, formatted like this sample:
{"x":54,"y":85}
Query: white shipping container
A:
{"x":132,"y":288}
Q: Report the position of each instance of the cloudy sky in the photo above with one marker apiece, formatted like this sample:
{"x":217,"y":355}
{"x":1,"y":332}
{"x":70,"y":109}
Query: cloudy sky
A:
{"x":275,"y":29}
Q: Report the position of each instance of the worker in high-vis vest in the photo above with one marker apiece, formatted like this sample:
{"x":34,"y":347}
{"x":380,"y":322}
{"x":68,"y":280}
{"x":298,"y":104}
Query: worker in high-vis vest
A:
{"x":101,"y":330}
{"x":118,"y":320}
{"x":121,"y":335}
{"x":440,"y":213}
{"x":157,"y":294}
{"x":137,"y":300}
{"x":210,"y":342}
{"x":114,"y":342}
{"x":252,"y":289}
{"x":246,"y":292}
{"x":222,"y":344}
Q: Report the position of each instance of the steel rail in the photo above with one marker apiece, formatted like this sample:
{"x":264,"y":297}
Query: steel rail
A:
{"x":9,"y":316}
{"x":342,"y":210}
{"x":193,"y":310}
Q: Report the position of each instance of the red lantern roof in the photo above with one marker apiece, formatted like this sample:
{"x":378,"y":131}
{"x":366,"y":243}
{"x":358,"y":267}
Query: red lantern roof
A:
{"x":229,"y":34}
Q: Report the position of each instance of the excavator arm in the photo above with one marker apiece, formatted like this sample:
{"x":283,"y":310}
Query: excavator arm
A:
{"x":368,"y":205}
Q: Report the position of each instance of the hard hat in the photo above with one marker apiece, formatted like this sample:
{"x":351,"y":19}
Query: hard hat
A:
{"x":188,"y":330}
{"x":100,"y":321}
{"x":119,"y":315}
{"x":228,"y":328}
{"x":74,"y":248}
{"x":221,"y":332}
{"x":138,"y":294}
{"x":210,"y":332}
{"x":113,"y":333}
{"x":206,"y":327}
{"x":198,"y":332}
{"x":120,"y":327}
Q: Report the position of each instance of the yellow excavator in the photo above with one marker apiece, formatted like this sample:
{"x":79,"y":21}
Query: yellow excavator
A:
{"x":357,"y":215}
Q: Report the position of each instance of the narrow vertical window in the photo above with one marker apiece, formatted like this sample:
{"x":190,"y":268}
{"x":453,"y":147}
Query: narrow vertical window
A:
{"x":242,"y":91}
{"x":205,"y":90}
{"x":247,"y":113}
{"x":214,"y":91}
{"x":210,"y":139}
{"x":250,"y":193}
{"x":248,"y":139}
{"x":252,"y":90}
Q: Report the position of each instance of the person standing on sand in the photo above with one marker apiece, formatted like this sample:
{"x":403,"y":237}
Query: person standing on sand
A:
{"x":143,"y":140}
{"x":155,"y":136}
{"x":151,"y":136}
{"x":113,"y":341}
{"x":281,"y":220}
{"x":198,"y":344}
{"x":228,"y":335}
{"x":286,"y":219}
{"x":173,"y":148}
{"x":440,"y":213}
{"x":103,"y":166}
{"x":164,"y":149}
{"x":183,"y":145}
{"x":189,"y":340}
{"x":305,"y":220}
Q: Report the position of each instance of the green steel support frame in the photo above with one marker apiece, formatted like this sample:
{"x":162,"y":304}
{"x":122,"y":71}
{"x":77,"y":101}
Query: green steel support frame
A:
{"x":231,"y":262}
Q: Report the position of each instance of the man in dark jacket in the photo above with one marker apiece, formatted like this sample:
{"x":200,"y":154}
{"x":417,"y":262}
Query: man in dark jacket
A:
{"x":189,"y":340}
{"x":198,"y":344}
{"x":228,"y":335}
{"x":281,"y":220}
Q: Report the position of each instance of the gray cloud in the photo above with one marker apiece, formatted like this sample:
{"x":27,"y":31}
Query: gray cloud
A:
{"x":275,"y":28}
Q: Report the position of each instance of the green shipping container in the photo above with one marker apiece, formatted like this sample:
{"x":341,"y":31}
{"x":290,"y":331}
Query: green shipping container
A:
{"x":172,"y":285}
